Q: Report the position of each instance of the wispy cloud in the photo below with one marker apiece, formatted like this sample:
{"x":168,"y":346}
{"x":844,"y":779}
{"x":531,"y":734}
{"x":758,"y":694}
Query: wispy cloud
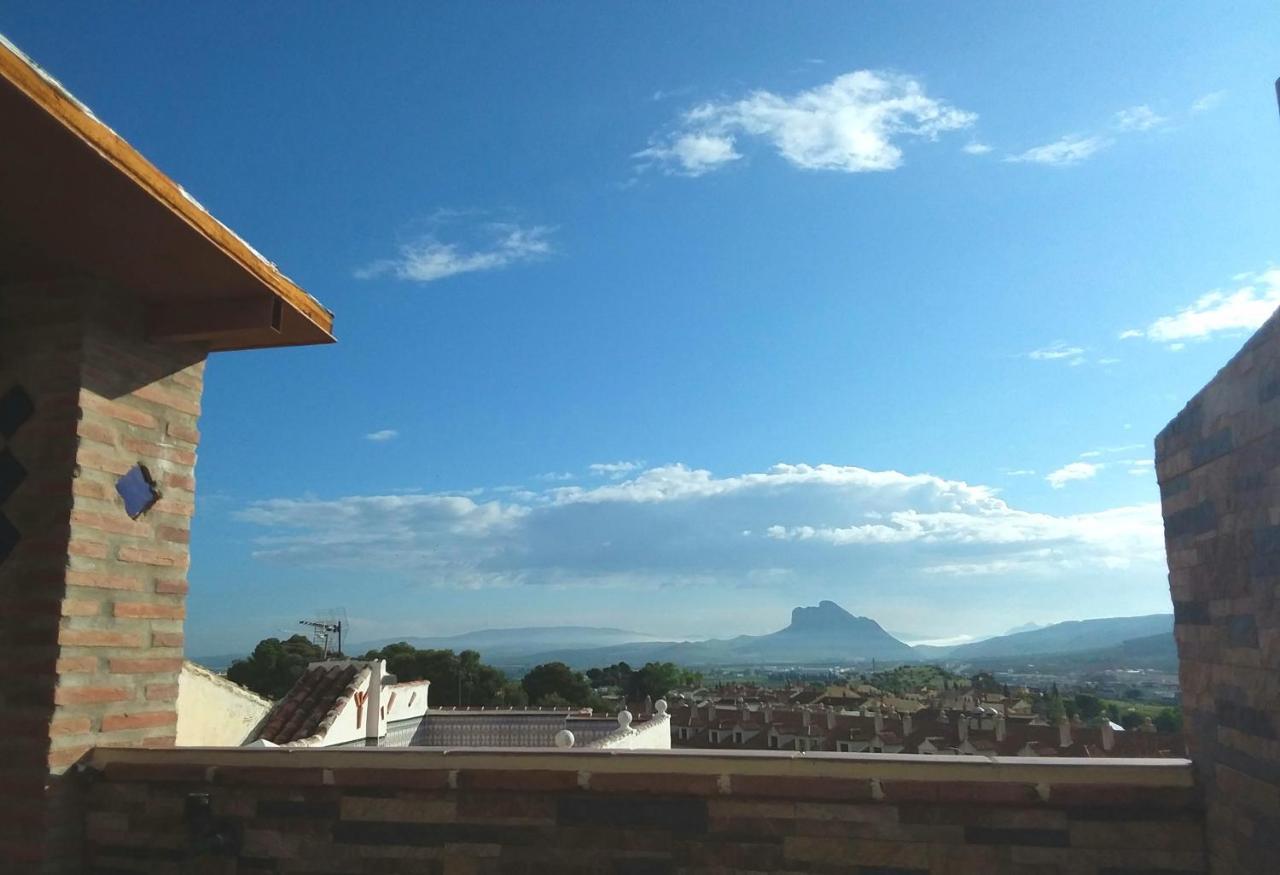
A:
{"x":1071,"y":149}
{"x":976,"y":148}
{"x":1221,"y":311}
{"x":1139,"y":118}
{"x":1208,"y":101}
{"x":1020,"y":472}
{"x":614,"y":470}
{"x":1058,"y":351}
{"x":380,"y":437}
{"x":854,"y":123}
{"x":1073,"y":471}
{"x":495,"y":245}
{"x":555,"y":476}
{"x":821,"y":524}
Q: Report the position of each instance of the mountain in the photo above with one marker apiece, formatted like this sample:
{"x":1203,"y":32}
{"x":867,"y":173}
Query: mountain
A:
{"x":1025,"y":627}
{"x":500,"y":644}
{"x":823,"y":634}
{"x":1159,"y":652}
{"x":1069,"y":637}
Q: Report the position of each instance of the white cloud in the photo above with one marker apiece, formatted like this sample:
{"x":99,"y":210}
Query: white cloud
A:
{"x":1058,"y":351}
{"x":1071,"y":149}
{"x":976,"y":148}
{"x":1142,"y":467}
{"x":386,"y":434}
{"x":852,"y":124}
{"x":826,"y":525}
{"x":692,"y":154}
{"x":1241,"y":309}
{"x":1072,"y":471}
{"x":1208,"y":101}
{"x":552,"y":476}
{"x":1020,"y":472}
{"x":499,"y":245}
{"x":614,"y":470}
{"x":1139,"y":118}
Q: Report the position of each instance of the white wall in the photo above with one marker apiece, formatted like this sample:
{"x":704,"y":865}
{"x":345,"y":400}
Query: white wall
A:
{"x":213,"y":711}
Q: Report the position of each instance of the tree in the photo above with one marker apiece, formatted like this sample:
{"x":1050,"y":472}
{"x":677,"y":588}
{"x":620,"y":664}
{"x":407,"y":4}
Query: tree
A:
{"x":1131,"y":720}
{"x":456,"y":678}
{"x":1055,"y":710}
{"x":1088,"y":706}
{"x":556,"y":678}
{"x":1169,"y":720}
{"x":616,"y":675}
{"x":1133,"y":693}
{"x":275,"y":665}
{"x":656,"y":679}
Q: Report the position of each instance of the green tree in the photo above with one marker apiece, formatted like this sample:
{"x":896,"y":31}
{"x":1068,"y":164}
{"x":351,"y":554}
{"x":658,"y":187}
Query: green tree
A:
{"x":1088,"y":706}
{"x":616,"y":675}
{"x":275,"y":665}
{"x":456,"y":678}
{"x":1131,"y":720}
{"x":1168,"y":720}
{"x":1055,"y":710}
{"x":556,"y":679}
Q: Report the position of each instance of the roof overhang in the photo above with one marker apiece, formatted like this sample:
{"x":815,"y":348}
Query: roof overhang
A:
{"x":77,"y":202}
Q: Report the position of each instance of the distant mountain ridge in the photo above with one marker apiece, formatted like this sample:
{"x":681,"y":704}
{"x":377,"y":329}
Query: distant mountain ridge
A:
{"x":1072,"y":636}
{"x":507,"y":643}
{"x":825,"y":633}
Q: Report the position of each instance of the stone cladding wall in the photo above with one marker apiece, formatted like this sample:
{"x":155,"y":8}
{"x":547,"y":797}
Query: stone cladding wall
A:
{"x":1218,"y":463}
{"x":382,"y":811}
{"x":91,"y":602}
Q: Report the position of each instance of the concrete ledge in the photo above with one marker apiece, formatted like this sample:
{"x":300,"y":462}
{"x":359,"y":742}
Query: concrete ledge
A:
{"x":836,"y":766}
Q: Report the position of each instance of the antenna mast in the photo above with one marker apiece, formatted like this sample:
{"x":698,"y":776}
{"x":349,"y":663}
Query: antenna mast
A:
{"x":321,"y":630}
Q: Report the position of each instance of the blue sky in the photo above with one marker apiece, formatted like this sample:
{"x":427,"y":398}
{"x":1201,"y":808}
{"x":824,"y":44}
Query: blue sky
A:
{"x":672,"y":318}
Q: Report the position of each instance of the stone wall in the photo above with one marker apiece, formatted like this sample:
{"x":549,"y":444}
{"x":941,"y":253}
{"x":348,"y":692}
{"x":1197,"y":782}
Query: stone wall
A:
{"x":433,"y":811}
{"x":91,"y":601}
{"x":1219,"y":468}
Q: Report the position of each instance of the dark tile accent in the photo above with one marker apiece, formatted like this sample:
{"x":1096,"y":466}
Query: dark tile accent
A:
{"x":642,"y":866}
{"x":1249,"y":720}
{"x":680,"y":815}
{"x":1215,"y":445}
{"x":1041,"y":838}
{"x":9,"y":537}
{"x":1242,"y":631}
{"x":1266,"y":539}
{"x":890,"y":870}
{"x":1176,"y":486}
{"x":319,"y":810}
{"x":1113,"y":870}
{"x":11,"y":474}
{"x":1191,"y":614}
{"x":377,"y":832}
{"x":16,"y":408}
{"x":1192,"y":521}
{"x":1179,"y":429}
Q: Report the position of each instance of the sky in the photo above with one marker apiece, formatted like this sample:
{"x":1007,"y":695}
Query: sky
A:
{"x":674,"y":317}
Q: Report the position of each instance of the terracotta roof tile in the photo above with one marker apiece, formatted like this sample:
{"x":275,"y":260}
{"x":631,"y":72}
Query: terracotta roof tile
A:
{"x":321,"y":689}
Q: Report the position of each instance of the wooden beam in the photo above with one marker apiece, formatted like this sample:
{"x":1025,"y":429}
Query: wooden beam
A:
{"x":214,"y":321}
{"x":76,"y":117}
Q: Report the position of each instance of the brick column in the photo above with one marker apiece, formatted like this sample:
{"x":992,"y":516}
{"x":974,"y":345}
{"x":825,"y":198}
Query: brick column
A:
{"x":91,"y":601}
{"x":1218,"y":463}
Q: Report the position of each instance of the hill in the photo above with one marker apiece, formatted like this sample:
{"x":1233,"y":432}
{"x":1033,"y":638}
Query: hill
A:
{"x":505,"y":644}
{"x":1073,"y":636}
{"x":822,"y":634}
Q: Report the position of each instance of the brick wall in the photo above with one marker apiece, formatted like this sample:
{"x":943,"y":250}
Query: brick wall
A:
{"x":1219,"y":468}
{"x":419,"y":811}
{"x":91,"y":602}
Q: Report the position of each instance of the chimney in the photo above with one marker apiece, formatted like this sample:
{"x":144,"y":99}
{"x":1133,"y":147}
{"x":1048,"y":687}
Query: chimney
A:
{"x":711,"y":709}
{"x":806,"y":717}
{"x":768,"y":712}
{"x":1000,"y":727}
{"x":1108,"y":735}
{"x":879,"y":723}
{"x":906,"y":725}
{"x":962,"y":726}
{"x":831,"y":719}
{"x":375,"y":724}
{"x":1064,"y":732}
{"x":742,"y":712}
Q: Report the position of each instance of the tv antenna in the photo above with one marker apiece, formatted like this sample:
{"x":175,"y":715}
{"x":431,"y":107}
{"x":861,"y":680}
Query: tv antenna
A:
{"x":322,"y":632}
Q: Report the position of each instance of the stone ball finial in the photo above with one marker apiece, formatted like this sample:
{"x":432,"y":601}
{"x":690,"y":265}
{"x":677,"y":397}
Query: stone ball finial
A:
{"x":660,"y":706}
{"x":564,"y":738}
{"x":624,"y":718}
